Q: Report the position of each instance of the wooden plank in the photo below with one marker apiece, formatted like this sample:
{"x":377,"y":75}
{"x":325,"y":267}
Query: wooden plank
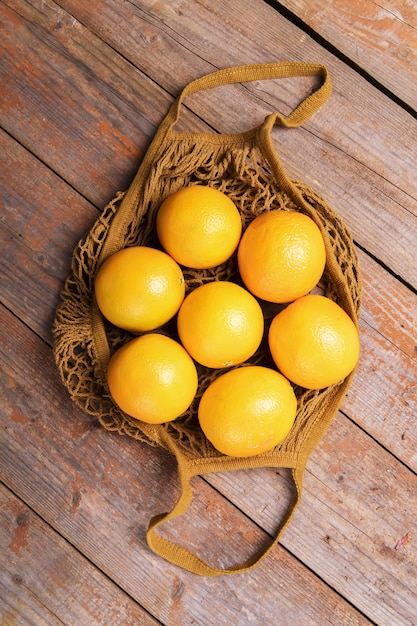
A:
{"x":82,"y":109}
{"x":41,"y":224}
{"x":44,"y":580}
{"x":383,"y":398}
{"x":381,"y":37}
{"x":91,"y":476}
{"x":99,"y":490}
{"x":167,"y":26}
{"x":376,"y":149}
{"x":358,"y":503}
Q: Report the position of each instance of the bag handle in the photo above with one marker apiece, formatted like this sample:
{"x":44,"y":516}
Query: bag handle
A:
{"x":263,"y":71}
{"x":238,"y":74}
{"x":183,"y":557}
{"x":231,"y":75}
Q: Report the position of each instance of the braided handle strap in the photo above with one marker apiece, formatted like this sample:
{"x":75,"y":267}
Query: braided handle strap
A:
{"x":263,"y":71}
{"x":182,"y":556}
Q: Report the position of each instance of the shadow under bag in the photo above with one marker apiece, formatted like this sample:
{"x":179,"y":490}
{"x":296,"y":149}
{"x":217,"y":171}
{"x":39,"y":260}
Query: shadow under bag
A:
{"x":246,"y":167}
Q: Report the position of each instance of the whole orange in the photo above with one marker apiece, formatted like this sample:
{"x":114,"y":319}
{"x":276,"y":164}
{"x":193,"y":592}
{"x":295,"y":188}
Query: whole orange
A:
{"x":314,"y":342}
{"x":152,"y":378}
{"x":281,"y":255}
{"x":220,"y":324}
{"x":247,"y":411}
{"x":139,"y":288}
{"x":199,"y":226}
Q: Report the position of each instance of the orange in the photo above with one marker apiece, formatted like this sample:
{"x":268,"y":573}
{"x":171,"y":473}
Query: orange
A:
{"x":220,"y":324}
{"x":281,"y":256}
{"x":200,"y":227}
{"x":139,"y":288}
{"x":152,"y":378}
{"x":314,"y":342}
{"x":247,"y":411}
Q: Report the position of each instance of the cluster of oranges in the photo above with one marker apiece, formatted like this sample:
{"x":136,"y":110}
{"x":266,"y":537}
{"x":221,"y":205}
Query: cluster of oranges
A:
{"x":281,"y":257}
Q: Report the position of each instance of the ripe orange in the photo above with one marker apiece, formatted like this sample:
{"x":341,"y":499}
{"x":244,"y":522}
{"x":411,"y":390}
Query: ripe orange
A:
{"x":199,"y":226}
{"x":247,"y":411}
{"x":314,"y":342}
{"x":139,"y":288}
{"x":281,"y":255}
{"x":220,"y":324}
{"x":152,"y":378}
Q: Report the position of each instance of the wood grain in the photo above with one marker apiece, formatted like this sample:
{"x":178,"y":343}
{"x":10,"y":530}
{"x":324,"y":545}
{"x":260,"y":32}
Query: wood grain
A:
{"x":381,"y":37}
{"x":375,"y":151}
{"x":383,"y":395}
{"x":83,"y":87}
{"x":88,"y":127}
{"x":43,"y":219}
{"x":45,"y":581}
{"x":100,"y":490}
{"x":357,"y":503}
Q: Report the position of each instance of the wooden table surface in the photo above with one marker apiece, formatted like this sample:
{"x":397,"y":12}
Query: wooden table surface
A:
{"x":83,"y":87}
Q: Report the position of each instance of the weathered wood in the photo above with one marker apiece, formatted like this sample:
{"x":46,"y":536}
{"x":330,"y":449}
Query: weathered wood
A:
{"x":88,"y":127}
{"x":44,"y":580}
{"x":83,"y":86}
{"x":92,"y":485}
{"x":99,"y":490}
{"x":380,"y":37}
{"x":369,"y":113}
{"x":42,"y":220}
{"x":358,"y":502}
{"x":363,"y":139}
{"x":383,"y":397}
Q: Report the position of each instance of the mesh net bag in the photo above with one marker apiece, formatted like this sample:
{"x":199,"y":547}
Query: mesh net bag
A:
{"x":246,"y":167}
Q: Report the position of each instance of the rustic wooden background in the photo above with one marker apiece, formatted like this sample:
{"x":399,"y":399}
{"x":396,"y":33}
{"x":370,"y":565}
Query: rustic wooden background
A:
{"x":83,"y":87}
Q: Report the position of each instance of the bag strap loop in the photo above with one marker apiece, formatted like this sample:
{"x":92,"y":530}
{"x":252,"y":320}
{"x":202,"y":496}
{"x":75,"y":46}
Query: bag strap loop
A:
{"x":231,"y":75}
{"x":182,"y":556}
{"x":263,"y":71}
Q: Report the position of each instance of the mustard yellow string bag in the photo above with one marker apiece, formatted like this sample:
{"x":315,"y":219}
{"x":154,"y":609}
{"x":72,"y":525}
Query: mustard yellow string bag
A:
{"x":247,"y":168}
